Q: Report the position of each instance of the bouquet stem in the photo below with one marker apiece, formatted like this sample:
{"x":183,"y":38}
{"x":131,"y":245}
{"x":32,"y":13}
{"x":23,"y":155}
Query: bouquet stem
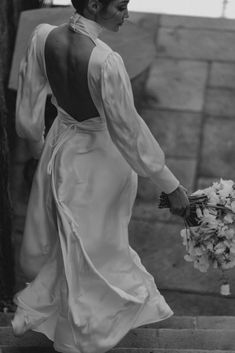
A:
{"x":225,"y":286}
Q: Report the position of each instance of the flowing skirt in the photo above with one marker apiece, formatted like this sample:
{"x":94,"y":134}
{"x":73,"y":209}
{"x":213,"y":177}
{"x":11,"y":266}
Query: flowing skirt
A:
{"x":89,"y":287}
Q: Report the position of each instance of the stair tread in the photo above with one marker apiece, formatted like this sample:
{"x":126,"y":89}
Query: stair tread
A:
{"x":177,"y":322}
{"x":183,"y":338}
{"x":34,"y":349}
{"x":144,"y":338}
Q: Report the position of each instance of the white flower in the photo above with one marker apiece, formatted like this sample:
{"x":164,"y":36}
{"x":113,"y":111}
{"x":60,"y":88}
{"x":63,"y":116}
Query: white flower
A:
{"x":232,"y":206}
{"x":210,"y":246}
{"x":213,"y":197}
{"x":198,"y":192}
{"x":229,"y":234}
{"x":228,"y":218}
{"x":184,"y":235}
{"x":219,"y":251}
{"x":188,"y":258}
{"x":232,"y":249}
{"x":192,"y":249}
{"x":209,"y":219}
{"x":228,"y":265}
{"x":199,"y":212}
{"x":220,"y":246}
{"x":227,"y":185}
{"x":198,"y":251}
{"x":202,"y":264}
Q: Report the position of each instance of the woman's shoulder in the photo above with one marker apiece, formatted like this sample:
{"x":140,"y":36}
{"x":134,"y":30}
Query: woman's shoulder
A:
{"x":103,"y":55}
{"x":36,"y":43}
{"x":100,"y":52}
{"x":42,"y":30}
{"x":39,"y":35}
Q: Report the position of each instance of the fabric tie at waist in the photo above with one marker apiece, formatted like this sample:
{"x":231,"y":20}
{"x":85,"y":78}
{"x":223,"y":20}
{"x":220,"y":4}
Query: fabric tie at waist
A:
{"x":69,"y":123}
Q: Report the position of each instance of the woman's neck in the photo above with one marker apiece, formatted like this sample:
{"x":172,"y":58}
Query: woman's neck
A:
{"x":84,"y":25}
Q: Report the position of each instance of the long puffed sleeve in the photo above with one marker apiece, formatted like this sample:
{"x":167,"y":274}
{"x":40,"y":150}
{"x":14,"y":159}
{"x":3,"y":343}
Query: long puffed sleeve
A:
{"x":128,"y":130}
{"x":31,"y":96}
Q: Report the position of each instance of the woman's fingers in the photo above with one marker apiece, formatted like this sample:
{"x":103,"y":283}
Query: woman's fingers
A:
{"x":179,"y":202}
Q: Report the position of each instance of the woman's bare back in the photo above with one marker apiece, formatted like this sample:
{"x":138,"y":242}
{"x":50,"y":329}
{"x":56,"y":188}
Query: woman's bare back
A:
{"x":67,"y":56}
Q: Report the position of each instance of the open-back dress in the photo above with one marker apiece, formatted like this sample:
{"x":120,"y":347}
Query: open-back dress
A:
{"x":90,"y":287}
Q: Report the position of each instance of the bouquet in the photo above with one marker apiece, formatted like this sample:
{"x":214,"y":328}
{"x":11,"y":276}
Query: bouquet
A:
{"x":209,"y":234}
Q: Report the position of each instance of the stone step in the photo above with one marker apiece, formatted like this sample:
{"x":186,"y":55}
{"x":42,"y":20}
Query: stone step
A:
{"x":6,"y":349}
{"x":174,"y":322}
{"x":162,"y":350}
{"x":210,"y":339}
{"x":180,"y":339}
{"x":5,"y":319}
{"x":196,"y":322}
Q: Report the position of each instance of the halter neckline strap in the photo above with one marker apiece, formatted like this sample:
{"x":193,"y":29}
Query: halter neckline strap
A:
{"x":80,"y":24}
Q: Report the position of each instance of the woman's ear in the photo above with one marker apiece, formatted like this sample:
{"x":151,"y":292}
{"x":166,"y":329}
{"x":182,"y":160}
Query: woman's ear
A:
{"x":93,"y":6}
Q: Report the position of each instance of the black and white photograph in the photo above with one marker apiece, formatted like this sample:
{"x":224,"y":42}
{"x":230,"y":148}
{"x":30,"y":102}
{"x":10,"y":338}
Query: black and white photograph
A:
{"x":117,"y":176}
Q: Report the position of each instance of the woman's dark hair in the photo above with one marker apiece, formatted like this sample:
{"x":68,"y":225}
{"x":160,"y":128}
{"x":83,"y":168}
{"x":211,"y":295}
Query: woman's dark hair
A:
{"x":80,"y":5}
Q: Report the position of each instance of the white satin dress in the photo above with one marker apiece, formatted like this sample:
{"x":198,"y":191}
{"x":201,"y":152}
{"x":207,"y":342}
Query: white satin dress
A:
{"x":90,"y":287}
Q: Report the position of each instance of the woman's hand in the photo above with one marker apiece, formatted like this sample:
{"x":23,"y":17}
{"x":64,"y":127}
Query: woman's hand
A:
{"x":179,"y":202}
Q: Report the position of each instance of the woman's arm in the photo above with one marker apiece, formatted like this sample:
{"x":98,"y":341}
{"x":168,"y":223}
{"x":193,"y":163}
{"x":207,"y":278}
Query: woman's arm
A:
{"x":131,"y":135}
{"x":31,"y":97}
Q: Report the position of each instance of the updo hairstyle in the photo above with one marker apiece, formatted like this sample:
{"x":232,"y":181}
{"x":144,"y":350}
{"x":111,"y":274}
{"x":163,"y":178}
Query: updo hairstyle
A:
{"x":80,"y":5}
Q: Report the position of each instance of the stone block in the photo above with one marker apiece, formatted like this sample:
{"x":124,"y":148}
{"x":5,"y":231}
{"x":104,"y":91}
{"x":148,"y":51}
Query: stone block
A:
{"x":220,"y":102}
{"x":5,"y":319}
{"x":173,"y":322}
{"x":197,"y":303}
{"x":176,"y":84}
{"x":216,"y":322}
{"x":29,"y":339}
{"x":138,"y":87}
{"x":147,"y":190}
{"x":18,"y":186}
{"x":160,"y":248}
{"x":20,"y":209}
{"x":183,"y":169}
{"x":195,"y":322}
{"x":21,"y":153}
{"x":217,"y":159}
{"x":18,"y":225}
{"x":203,"y":183}
{"x":150,"y":212}
{"x":20,"y":276}
{"x":196,"y":44}
{"x":222,"y":75}
{"x":190,"y":22}
{"x":178,"y":133}
{"x":210,"y":340}
{"x":147,"y":21}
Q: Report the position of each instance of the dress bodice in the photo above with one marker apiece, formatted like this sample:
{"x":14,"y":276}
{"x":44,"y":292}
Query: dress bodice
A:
{"x":110,"y":89}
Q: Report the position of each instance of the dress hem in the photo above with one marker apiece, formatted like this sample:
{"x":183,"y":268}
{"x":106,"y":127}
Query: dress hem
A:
{"x":146,"y":322}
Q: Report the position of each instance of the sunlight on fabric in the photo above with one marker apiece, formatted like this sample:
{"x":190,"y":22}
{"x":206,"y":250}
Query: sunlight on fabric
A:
{"x":202,"y":8}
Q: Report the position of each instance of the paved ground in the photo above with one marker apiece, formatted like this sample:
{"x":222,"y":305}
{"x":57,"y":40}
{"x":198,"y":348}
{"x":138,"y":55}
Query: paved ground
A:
{"x":199,"y":304}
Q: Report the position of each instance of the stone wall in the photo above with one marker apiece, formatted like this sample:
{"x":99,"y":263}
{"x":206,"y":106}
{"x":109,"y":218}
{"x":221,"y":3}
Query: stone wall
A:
{"x":189,"y":104}
{"x":187,"y":98}
{"x":9,"y":13}
{"x":6,"y":259}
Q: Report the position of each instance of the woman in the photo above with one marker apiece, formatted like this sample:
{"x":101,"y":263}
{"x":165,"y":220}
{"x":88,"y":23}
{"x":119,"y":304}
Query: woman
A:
{"x":87,"y":286}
